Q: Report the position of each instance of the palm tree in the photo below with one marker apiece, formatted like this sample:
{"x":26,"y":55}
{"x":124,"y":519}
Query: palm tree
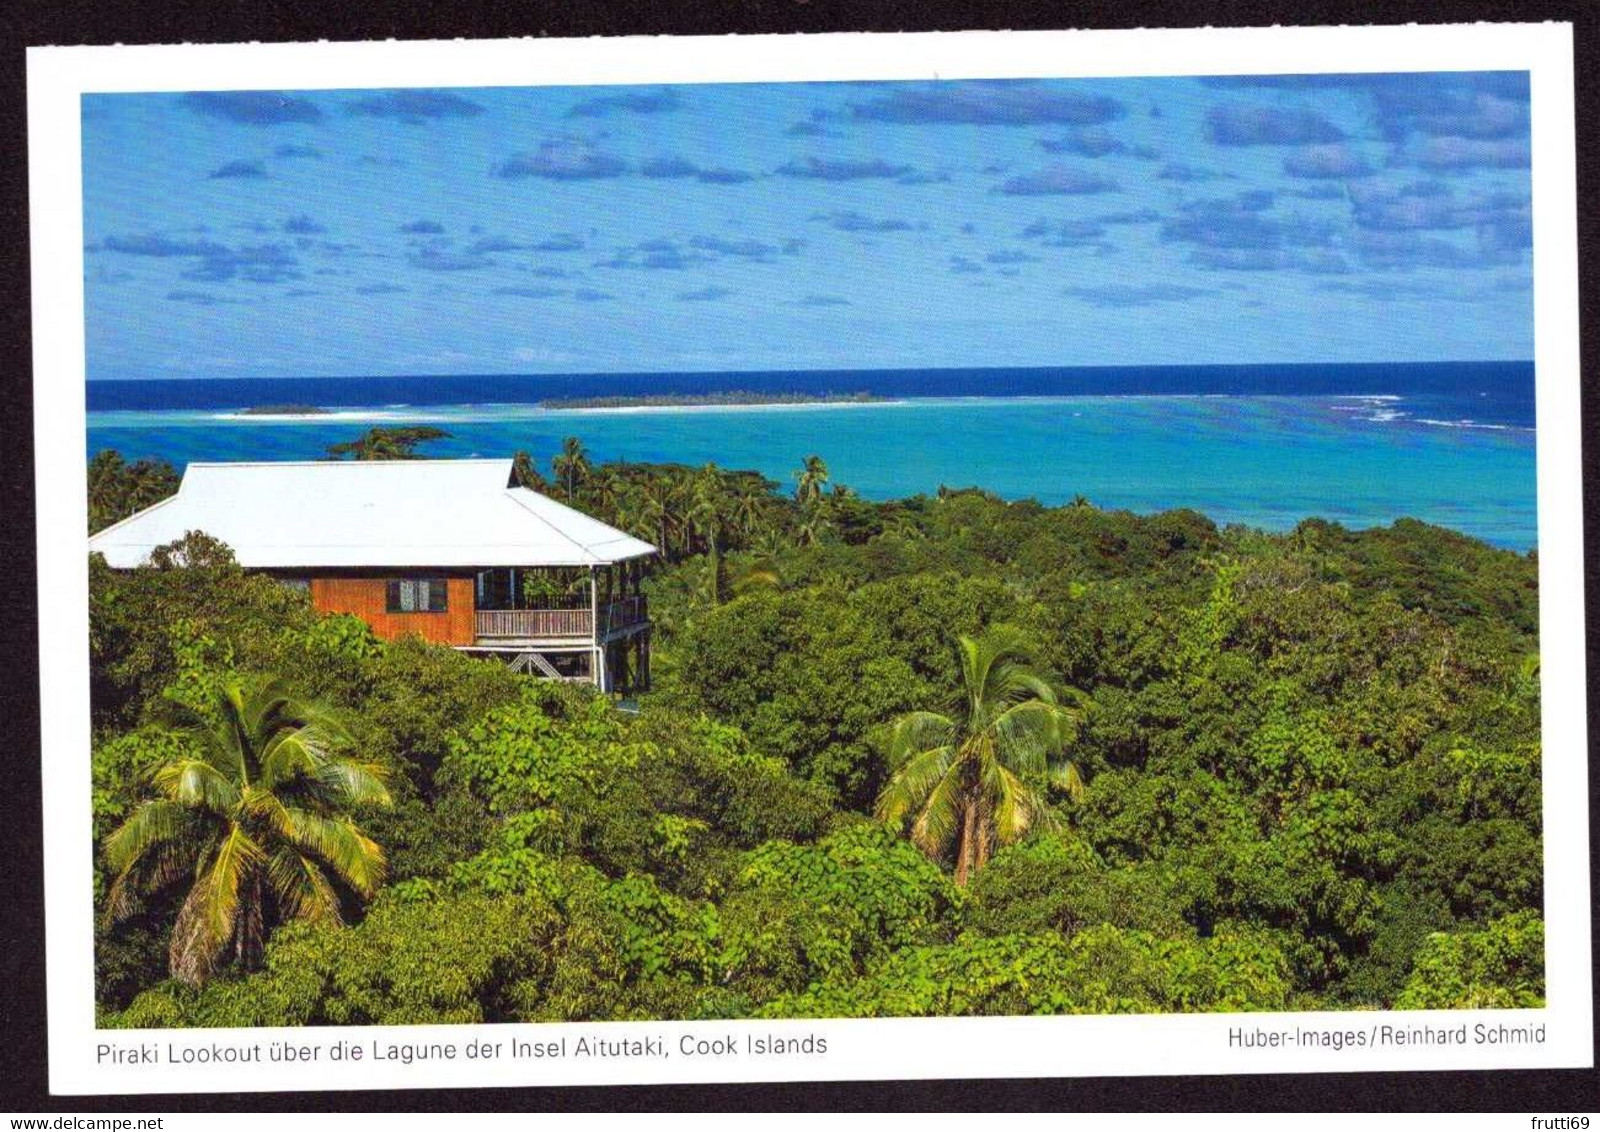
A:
{"x":630,"y":510}
{"x":605,"y":493}
{"x":572,"y":466}
{"x":256,"y":819}
{"x":106,"y":487}
{"x":526,"y":473}
{"x":705,"y":506}
{"x":750,"y":510}
{"x":659,"y":509}
{"x":812,"y":527}
{"x":810,"y":480}
{"x":712,"y":587}
{"x":117,"y":489}
{"x":974,"y":778}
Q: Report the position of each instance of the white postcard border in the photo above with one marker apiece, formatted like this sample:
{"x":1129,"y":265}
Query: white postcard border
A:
{"x":864,"y":1049}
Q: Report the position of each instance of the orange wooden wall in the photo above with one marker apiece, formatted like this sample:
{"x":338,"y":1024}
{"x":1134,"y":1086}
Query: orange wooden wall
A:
{"x":367,"y":598}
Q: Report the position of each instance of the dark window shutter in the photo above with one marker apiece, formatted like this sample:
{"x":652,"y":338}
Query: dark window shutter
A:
{"x":393,"y":597}
{"x":438,"y":595}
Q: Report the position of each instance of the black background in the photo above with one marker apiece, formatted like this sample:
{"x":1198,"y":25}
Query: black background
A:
{"x":22,"y":1002}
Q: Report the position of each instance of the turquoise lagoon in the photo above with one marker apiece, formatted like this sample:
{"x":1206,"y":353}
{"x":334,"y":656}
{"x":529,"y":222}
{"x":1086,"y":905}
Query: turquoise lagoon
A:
{"x":1266,"y":461}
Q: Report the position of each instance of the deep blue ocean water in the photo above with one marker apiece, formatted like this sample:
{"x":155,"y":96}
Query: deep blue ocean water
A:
{"x":1451,"y":444}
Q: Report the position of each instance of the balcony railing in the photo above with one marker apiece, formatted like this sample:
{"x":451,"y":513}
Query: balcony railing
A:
{"x":535,"y":624}
{"x":557,"y":624}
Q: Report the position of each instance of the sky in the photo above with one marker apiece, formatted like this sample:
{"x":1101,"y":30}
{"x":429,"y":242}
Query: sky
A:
{"x":808,"y":226}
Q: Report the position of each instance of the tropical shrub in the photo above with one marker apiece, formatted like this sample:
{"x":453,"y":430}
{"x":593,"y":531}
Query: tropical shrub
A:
{"x":1498,"y":967}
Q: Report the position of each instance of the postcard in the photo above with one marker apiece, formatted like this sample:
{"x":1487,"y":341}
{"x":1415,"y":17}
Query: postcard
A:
{"x":810,"y":558}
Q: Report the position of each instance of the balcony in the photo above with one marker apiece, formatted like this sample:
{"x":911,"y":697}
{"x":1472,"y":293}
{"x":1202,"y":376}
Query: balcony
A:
{"x":563,"y":626}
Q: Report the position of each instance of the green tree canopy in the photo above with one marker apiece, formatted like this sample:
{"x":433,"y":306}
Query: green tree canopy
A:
{"x":387,"y":443}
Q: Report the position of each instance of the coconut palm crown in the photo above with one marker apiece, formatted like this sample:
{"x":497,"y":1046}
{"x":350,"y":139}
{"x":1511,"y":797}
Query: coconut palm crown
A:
{"x":973,"y":778}
{"x":255,"y":818}
{"x":572,"y":467}
{"x":810,"y":479}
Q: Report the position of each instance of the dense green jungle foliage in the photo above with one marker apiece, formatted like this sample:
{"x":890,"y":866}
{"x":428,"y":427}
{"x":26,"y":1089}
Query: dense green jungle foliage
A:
{"x":1308,"y":776}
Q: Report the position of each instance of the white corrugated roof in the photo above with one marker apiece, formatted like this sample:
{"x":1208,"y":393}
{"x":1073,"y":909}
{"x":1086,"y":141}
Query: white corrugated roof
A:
{"x":326,"y":513}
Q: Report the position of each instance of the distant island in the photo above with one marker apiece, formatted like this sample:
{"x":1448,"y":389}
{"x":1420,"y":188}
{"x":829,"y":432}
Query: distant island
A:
{"x":283,"y":411}
{"x":730,"y":397}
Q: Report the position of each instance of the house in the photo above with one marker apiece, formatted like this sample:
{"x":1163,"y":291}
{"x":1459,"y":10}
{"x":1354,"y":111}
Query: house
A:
{"x":449,"y":550}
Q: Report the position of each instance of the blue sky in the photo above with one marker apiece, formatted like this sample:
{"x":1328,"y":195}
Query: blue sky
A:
{"x":808,"y":226}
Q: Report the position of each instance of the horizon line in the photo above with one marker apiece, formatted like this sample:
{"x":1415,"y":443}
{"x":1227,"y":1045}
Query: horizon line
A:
{"x":812,"y":370}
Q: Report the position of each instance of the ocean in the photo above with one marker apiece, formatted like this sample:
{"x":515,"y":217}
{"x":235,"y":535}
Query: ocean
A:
{"x":1267,"y":446}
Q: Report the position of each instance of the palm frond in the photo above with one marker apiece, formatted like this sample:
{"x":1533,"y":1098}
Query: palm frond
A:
{"x":913,"y":783}
{"x":302,"y":889}
{"x":210,"y":744}
{"x":292,"y":752}
{"x":327,"y":722}
{"x":154,"y":822}
{"x":270,"y":707}
{"x":1012,"y":683}
{"x":218,"y":733}
{"x":236,"y":857}
{"x":973,"y":666}
{"x":261,"y":804}
{"x":166,"y":864}
{"x":354,"y":857}
{"x":994,"y":672}
{"x":357,"y":783}
{"x":122,"y":899}
{"x":266,"y":703}
{"x":1014,"y":805}
{"x":1010,"y":642}
{"x":916,"y":732}
{"x":194,"y":948}
{"x":939,"y":820}
{"x":1066,"y":777}
{"x":159,"y":866}
{"x":1074,"y":700}
{"x":1026,"y":734}
{"x":196,"y":782}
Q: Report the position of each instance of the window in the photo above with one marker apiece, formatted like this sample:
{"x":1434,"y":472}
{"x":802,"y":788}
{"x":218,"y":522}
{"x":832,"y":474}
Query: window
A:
{"x":417,"y":595}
